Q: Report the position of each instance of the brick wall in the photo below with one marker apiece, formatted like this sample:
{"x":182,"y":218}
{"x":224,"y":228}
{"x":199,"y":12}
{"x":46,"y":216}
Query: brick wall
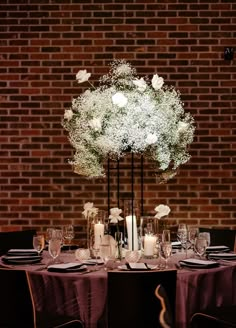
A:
{"x":42,"y":46}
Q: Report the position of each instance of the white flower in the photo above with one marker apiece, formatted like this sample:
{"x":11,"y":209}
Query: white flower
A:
{"x":95,"y":124}
{"x":182,"y":127}
{"x":68,"y":114}
{"x":82,"y":76}
{"x":162,"y":210}
{"x":89,"y":210}
{"x":115,"y":215}
{"x":141,"y":84}
{"x":151,"y":138}
{"x":157,"y":82}
{"x":119,"y":99}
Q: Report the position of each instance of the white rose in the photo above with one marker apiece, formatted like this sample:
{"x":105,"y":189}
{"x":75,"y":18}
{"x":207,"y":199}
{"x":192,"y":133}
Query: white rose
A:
{"x":162,"y":210}
{"x":157,"y":82}
{"x":115,"y":215}
{"x":119,"y":99}
{"x":68,"y":114}
{"x":82,"y":76}
{"x":95,"y":124}
{"x":151,"y":138}
{"x":140,"y":84}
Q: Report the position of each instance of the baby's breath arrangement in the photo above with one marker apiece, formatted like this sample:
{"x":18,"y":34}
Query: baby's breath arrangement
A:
{"x":127,"y":113}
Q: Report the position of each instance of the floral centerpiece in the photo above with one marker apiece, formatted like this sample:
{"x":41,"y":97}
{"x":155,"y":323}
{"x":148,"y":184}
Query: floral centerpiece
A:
{"x":127,"y":113}
{"x":90,"y":212}
{"x":115,"y":218}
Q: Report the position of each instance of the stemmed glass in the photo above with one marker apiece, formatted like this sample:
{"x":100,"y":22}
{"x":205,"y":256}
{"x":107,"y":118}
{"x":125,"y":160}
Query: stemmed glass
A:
{"x":68,"y":234}
{"x":95,"y":247}
{"x":166,"y":251}
{"x":182,"y":234}
{"x":54,"y":248}
{"x":200,"y":246}
{"x":38,"y":243}
{"x":106,"y":253}
{"x":192,"y":235}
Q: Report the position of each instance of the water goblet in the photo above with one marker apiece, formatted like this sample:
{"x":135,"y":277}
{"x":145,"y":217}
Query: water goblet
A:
{"x":106,"y":254}
{"x":68,"y":234}
{"x":192,"y":235}
{"x":54,"y":248}
{"x":166,"y":251}
{"x":207,"y":236}
{"x":200,"y":246}
{"x":38,"y":243}
{"x":182,"y":234}
{"x":166,"y":235}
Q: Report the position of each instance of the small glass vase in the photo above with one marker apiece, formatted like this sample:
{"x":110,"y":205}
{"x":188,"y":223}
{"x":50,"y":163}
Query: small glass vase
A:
{"x":119,"y":240}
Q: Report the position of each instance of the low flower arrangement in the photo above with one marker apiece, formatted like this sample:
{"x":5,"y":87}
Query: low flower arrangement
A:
{"x":127,"y":113}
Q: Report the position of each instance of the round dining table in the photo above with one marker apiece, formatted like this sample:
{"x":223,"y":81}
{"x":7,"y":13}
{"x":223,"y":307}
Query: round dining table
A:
{"x":83,"y":294}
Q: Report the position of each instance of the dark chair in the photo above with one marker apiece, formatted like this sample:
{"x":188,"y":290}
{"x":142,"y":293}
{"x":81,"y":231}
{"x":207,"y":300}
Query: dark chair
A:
{"x":219,"y":317}
{"x":166,"y":319}
{"x":219,"y":236}
{"x":132,"y":301}
{"x":16,"y":239}
{"x":17,"y":306}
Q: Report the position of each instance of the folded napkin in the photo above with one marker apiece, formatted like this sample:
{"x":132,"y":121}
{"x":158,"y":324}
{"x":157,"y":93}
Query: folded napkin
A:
{"x":138,"y":266}
{"x":222,"y":256}
{"x":93,"y":262}
{"x":199,"y":264}
{"x":221,"y":248}
{"x":22,"y":252}
{"x":21,"y":259}
{"x":67,"y":267}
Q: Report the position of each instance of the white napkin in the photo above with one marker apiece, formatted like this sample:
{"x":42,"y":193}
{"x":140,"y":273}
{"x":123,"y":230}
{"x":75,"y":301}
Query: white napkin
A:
{"x":67,"y":267}
{"x":23,"y":250}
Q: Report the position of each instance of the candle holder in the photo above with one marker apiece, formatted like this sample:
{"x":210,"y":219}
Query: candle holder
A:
{"x":131,"y":213}
{"x":96,"y":229}
{"x":149,"y":245}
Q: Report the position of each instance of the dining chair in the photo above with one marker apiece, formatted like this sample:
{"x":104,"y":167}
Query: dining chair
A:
{"x":219,"y":236}
{"x":16,"y":239}
{"x":17,"y":307}
{"x":219,"y":317}
{"x":132,"y":299}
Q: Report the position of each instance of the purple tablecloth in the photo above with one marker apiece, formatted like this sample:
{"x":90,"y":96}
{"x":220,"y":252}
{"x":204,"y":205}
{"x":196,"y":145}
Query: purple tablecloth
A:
{"x":84,"y":296}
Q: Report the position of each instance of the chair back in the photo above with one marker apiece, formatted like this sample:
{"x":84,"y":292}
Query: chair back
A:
{"x":132,"y":301}
{"x":219,"y":236}
{"x":16,"y":239}
{"x":17,"y":308}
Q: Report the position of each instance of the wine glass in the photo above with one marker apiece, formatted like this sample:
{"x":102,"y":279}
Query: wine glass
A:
{"x":182,"y":234}
{"x":166,"y":235}
{"x":95,"y":247}
{"x":192,"y":235}
{"x":200,"y":246}
{"x":54,"y":248}
{"x":106,"y":254}
{"x":38,"y":243}
{"x":68,"y":234}
{"x":166,"y":251}
{"x":207,"y":236}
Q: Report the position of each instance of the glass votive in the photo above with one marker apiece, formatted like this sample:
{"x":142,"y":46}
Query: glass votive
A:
{"x":82,"y":254}
{"x":132,"y":256}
